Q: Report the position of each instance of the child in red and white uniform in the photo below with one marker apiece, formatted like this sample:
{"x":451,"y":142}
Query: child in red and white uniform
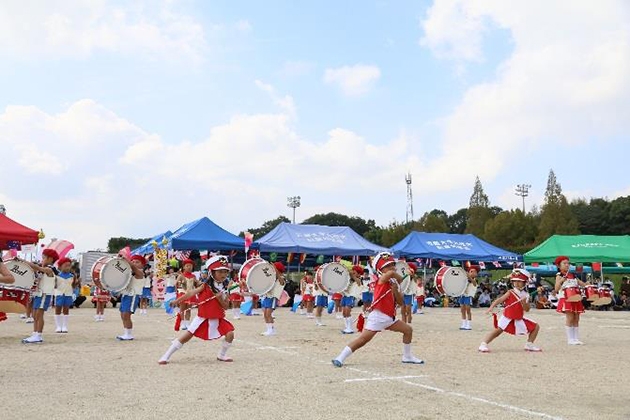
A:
{"x":7,"y":278}
{"x":336,"y":298}
{"x":235,"y":289}
{"x":63,"y":294}
{"x":348,"y":300}
{"x":210,"y":322}
{"x":383,"y":313}
{"x":571,"y":310}
{"x":307,"y":287}
{"x":420,"y":294}
{"x":101,"y":296}
{"x":43,"y":295}
{"x":512,"y":319}
{"x":186,"y":281}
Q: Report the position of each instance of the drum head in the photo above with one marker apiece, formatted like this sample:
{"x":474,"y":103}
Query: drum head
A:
{"x":334,"y":277}
{"x":454,"y":281}
{"x":23,"y":274}
{"x":261,"y":277}
{"x":116,"y":274}
{"x":403,"y":269}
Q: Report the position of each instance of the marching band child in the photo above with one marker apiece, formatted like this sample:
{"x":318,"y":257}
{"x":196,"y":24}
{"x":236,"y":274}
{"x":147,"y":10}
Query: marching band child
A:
{"x":571,"y":310}
{"x":269,"y":302}
{"x":336,"y":298}
{"x":321,"y":302}
{"x":512,"y":319}
{"x":146,"y":296}
{"x":409,"y":295}
{"x":131,"y":297}
{"x":101,"y":296}
{"x":186,"y":281}
{"x":43,"y":295}
{"x":368,"y":291}
{"x":210,"y":322}
{"x":63,"y":294}
{"x":7,"y":278}
{"x":307,"y":288}
{"x":420,"y":294}
{"x":383,"y":313}
{"x":347,"y":302}
{"x":235,"y":289}
{"x":465,"y":301}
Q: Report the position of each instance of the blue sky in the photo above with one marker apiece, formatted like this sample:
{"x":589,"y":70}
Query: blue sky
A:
{"x":119,"y":110}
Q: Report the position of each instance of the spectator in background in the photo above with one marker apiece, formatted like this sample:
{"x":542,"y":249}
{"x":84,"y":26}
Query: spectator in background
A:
{"x":542,"y":302}
{"x":625,"y":285}
{"x":485,"y":299}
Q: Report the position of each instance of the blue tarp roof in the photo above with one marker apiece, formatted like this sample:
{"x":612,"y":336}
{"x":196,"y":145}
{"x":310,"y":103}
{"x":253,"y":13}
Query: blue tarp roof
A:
{"x":204,"y":234}
{"x":316,"y":239}
{"x":147,"y":248}
{"x":450,"y":246}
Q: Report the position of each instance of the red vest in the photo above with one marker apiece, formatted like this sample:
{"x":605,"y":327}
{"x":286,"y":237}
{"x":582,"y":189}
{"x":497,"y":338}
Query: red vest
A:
{"x":516,"y":310}
{"x":387,"y":305}
{"x":211,"y":309}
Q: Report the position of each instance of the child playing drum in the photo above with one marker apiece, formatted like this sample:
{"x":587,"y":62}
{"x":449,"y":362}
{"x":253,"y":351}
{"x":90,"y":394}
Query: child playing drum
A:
{"x":210,"y":322}
{"x":383,"y":313}
{"x":43,"y":294}
{"x":512,"y":319}
{"x":348,"y":300}
{"x":465,"y":301}
{"x":571,"y":310}
{"x":269,"y":302}
{"x":131,"y":297}
{"x":7,"y":278}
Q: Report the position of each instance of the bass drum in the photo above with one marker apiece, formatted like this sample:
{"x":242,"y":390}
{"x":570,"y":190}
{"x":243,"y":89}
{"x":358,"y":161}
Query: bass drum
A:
{"x":111,"y":273}
{"x":334,"y":277}
{"x":259,"y":275}
{"x":451,"y":281}
{"x":14,"y":297}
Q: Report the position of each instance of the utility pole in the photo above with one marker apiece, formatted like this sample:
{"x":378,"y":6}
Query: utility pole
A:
{"x":522,"y":190}
{"x":409,"y":215}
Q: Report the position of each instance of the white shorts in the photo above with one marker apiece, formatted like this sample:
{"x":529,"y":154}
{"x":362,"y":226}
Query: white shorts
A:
{"x":378,"y":321}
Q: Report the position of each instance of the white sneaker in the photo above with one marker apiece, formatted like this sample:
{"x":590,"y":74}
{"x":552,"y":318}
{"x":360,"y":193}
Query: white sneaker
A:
{"x":97,"y":317}
{"x":22,"y":316}
{"x":413,"y":360}
{"x":266,"y":333}
{"x":64,"y":330}
{"x":32,"y":340}
{"x":483,"y":348}
{"x":29,"y":320}
{"x":575,"y":343}
{"x":338,"y":316}
{"x":309,"y":316}
{"x":531,"y":347}
{"x":124,"y":337}
{"x":237,"y":317}
{"x":58,"y":330}
{"x":347,"y":331}
{"x":320,"y":324}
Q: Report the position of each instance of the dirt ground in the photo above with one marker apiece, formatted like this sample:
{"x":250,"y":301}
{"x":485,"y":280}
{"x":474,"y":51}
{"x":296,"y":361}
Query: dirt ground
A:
{"x":87,"y":374}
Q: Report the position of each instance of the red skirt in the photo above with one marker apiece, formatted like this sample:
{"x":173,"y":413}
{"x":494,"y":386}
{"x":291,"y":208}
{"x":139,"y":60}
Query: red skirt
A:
{"x":191,"y":301}
{"x":337,"y":296}
{"x":308,"y":298}
{"x":210,"y":329}
{"x":564,"y":306}
{"x":3,"y":316}
{"x":236,"y":297}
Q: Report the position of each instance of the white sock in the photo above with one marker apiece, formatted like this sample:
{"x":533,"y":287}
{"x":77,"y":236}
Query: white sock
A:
{"x":224,"y":348}
{"x":236,"y":312}
{"x":569,"y":331}
{"x":127,"y":332}
{"x":347,"y":351}
{"x":407,"y":351}
{"x":37,"y":335}
{"x":468,"y":324}
{"x":58,"y":321}
{"x":269,"y":328}
{"x":576,"y":333}
{"x":64,"y":322}
{"x":318,"y":319}
{"x":348,"y":323}
{"x":175,"y":345}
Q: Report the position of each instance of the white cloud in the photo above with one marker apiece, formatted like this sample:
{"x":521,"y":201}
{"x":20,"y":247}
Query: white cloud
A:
{"x":78,"y":28}
{"x":353,"y":80}
{"x":244,"y":26}
{"x":566,"y":82}
{"x":285,"y":103}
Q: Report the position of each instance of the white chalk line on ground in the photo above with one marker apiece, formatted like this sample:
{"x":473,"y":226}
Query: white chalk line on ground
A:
{"x":423,"y":386}
{"x":613,"y":326}
{"x":385,"y":378}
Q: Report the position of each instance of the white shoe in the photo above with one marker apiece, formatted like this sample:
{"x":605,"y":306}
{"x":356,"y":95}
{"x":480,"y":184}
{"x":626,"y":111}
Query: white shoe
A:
{"x":97,"y":317}
{"x":32,"y":340}
{"x":22,"y":316}
{"x":309,"y":316}
{"x":237,"y":317}
{"x":338,"y":316}
{"x":124,"y":337}
{"x":320,"y":324}
{"x":413,"y":360}
{"x":64,"y":330}
{"x":266,"y":333}
{"x":347,"y":331}
{"x":483,"y":348}
{"x":531,"y":347}
{"x":575,"y":342}
{"x":29,"y":320}
{"x":58,"y":330}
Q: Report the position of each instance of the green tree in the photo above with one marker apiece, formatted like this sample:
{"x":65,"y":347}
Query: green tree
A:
{"x":116,"y":244}
{"x":556,"y":216}
{"x":593,"y":217}
{"x":357,"y":224}
{"x":457,"y":222}
{"x":620,"y":216}
{"x":512,"y":230}
{"x":434,"y":221}
{"x":394,"y":233}
{"x":479,"y":211}
{"x":266,"y":227}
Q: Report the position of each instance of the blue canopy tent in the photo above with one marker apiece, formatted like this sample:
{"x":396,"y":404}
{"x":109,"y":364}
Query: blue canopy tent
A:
{"x":204,"y":234}
{"x":450,"y":246}
{"x":316,"y":239}
{"x":147,"y":248}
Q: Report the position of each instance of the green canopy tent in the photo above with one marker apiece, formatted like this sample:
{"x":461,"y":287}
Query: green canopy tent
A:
{"x":582,"y":249}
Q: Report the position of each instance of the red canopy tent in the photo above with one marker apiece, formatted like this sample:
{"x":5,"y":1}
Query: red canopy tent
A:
{"x":11,"y":230}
